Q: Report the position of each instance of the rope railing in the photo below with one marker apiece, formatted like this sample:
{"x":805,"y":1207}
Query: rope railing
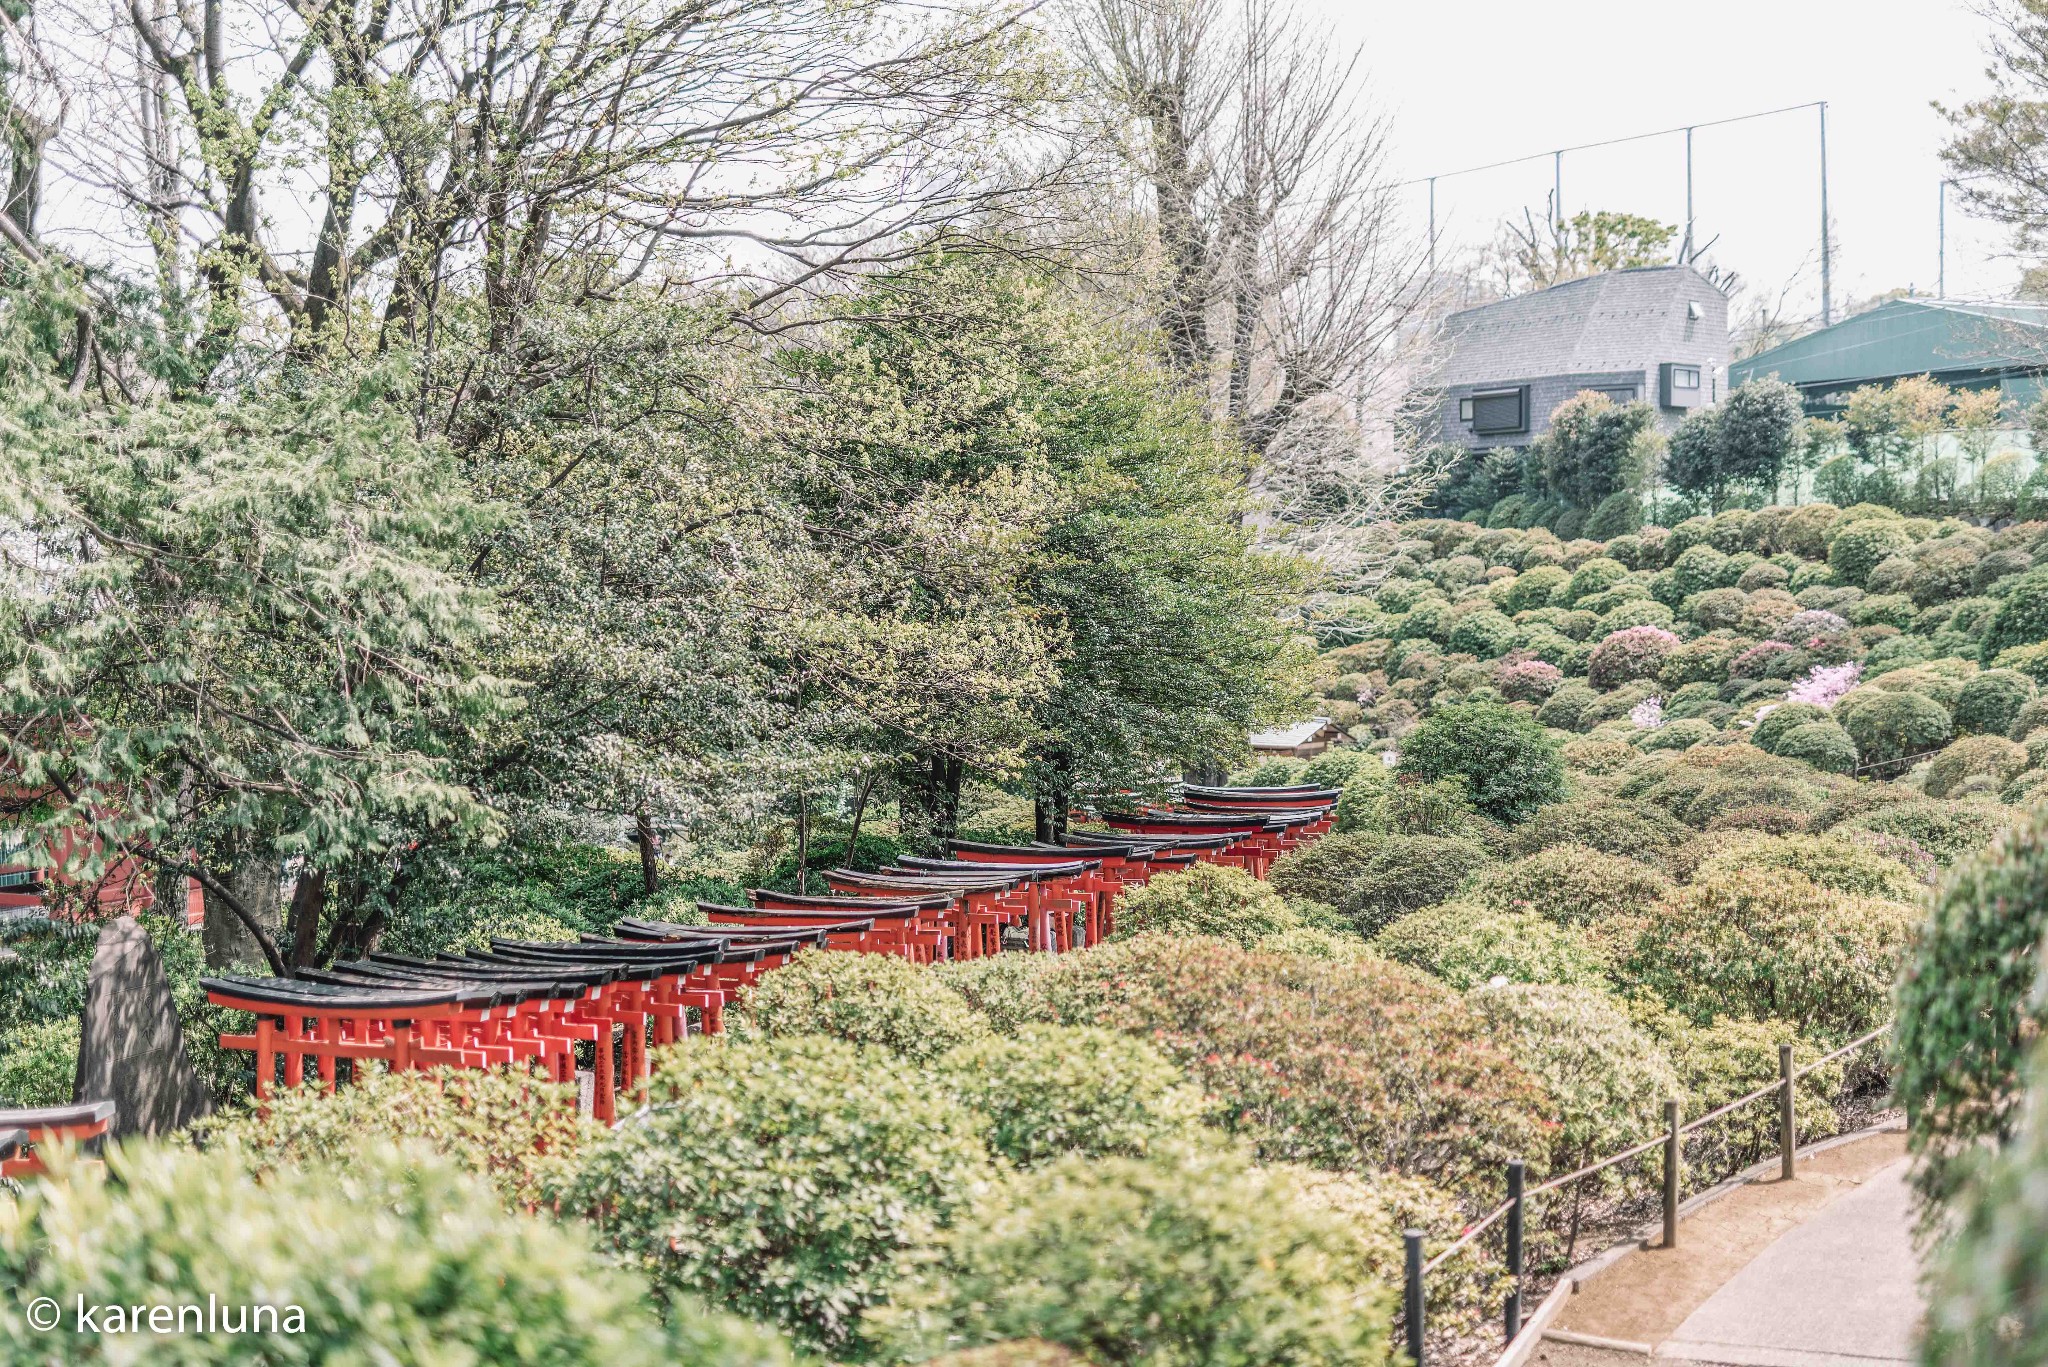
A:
{"x":1513,"y":1209}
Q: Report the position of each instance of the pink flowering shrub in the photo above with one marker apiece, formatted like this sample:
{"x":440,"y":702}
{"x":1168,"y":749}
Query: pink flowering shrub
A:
{"x":1631,"y":653}
{"x":1527,"y":680}
{"x":1648,"y":714}
{"x":1826,"y":685}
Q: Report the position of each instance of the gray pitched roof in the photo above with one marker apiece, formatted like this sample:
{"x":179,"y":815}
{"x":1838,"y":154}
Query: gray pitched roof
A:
{"x":1909,"y":337}
{"x":1599,"y":323}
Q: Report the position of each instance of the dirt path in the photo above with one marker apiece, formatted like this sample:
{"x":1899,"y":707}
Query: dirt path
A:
{"x":1647,"y":1297}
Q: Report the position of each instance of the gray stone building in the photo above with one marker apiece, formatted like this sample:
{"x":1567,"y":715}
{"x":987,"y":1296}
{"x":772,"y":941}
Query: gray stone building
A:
{"x":1655,"y":332}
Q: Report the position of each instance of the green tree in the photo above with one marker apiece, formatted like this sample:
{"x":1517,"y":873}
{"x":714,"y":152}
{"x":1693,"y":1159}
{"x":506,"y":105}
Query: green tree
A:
{"x":1593,"y":449}
{"x":1505,"y":760}
{"x":1758,"y":434}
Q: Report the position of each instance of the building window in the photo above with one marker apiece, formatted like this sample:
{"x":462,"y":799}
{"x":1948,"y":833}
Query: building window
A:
{"x":1619,"y":393}
{"x":1685,"y":377}
{"x":1500,"y":411}
{"x":1464,"y":410}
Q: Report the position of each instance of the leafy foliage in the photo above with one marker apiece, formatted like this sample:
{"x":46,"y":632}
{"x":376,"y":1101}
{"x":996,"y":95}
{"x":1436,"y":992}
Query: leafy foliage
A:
{"x":1192,"y":1256}
{"x":868,"y":999}
{"x":695,"y":1187}
{"x":1206,"y":899}
{"x":1468,"y":945}
{"x":1506,"y":762}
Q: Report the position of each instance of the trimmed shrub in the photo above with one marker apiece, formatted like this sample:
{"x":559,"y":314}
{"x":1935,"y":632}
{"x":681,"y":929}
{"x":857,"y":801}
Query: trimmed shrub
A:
{"x":1698,"y":569}
{"x":1774,"y":944}
{"x":1992,"y":756}
{"x":1632,"y":653}
{"x":1967,"y":1009}
{"x":1595,"y":576}
{"x":1607,"y":1079}
{"x":1884,"y":610}
{"x":1824,"y":745}
{"x":1838,"y":862}
{"x":1628,"y":829}
{"x":39,"y":1063}
{"x":1195,"y":1256}
{"x":1504,"y":759}
{"x":399,"y":1258}
{"x":1732,"y":1058}
{"x":878,"y":999}
{"x":1859,"y":547}
{"x":1887,"y":725}
{"x":1773,"y":725}
{"x":510,"y":1128}
{"x":1468,"y":945}
{"x":1205,"y":899}
{"x":1359,"y":1066}
{"x":1050,"y":1090}
{"x":1617,"y":515}
{"x":1484,"y":633}
{"x":1374,"y":878}
{"x":1527,"y":680}
{"x":1634,"y":612}
{"x":1572,"y":885}
{"x":1992,"y":701}
{"x":1682,"y":734}
{"x":2022,"y":616}
{"x":1565,"y":708}
{"x":1000,"y":987}
{"x":1946,"y":830}
{"x":1716,"y":608}
{"x":791,"y":1180}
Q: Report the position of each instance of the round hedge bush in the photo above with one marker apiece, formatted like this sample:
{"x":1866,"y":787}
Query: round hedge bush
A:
{"x":791,"y":1180}
{"x":1990,"y":756}
{"x":1607,"y":1079}
{"x":1859,"y":547}
{"x":1732,"y":1058}
{"x":862,"y":998}
{"x":2022,"y":616}
{"x":1505,"y":761}
{"x":1967,"y":1009}
{"x":1761,"y":944}
{"x":999,"y":987}
{"x":1206,"y":899}
{"x":1565,"y":708}
{"x":1362,"y":1066}
{"x":1193,"y":1256}
{"x":397,"y":1256}
{"x":1631,"y":653}
{"x":1372,"y":877}
{"x":1050,"y":1090}
{"x":1527,"y":680}
{"x":1468,"y":945}
{"x":1836,"y":861}
{"x":1946,"y":830}
{"x":1888,"y":725}
{"x":1573,"y":885}
{"x":1629,"y":829}
{"x":1824,"y":745}
{"x":1991,"y":702}
{"x":1775,"y":723}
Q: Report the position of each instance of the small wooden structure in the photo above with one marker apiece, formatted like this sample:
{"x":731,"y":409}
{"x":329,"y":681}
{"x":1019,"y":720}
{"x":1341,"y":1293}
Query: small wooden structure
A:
{"x":1303,"y":740}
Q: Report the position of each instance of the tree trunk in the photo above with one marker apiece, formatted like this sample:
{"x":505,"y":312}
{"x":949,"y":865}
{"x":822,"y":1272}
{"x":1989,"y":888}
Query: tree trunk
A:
{"x":803,"y":843}
{"x":650,"y":849}
{"x":931,"y":801}
{"x":253,"y":881}
{"x":860,"y":807}
{"x":309,"y":900}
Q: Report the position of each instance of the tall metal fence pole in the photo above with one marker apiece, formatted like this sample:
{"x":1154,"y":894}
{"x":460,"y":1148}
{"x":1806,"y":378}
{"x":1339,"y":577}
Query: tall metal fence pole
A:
{"x":1788,"y":1133}
{"x":1412,"y":1242}
{"x":1671,"y":1159}
{"x":1517,"y":1172}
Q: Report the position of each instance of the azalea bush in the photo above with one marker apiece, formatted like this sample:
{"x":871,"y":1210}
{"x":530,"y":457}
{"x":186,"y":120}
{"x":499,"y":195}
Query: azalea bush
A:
{"x":1362,"y":1066}
{"x":1502,"y":758}
{"x":1469,"y":945}
{"x":790,"y":1180}
{"x":1572,"y":884}
{"x":1050,"y":1090}
{"x":1191,"y":1256}
{"x":1206,"y":899}
{"x":863,"y":998}
{"x":396,"y":1254}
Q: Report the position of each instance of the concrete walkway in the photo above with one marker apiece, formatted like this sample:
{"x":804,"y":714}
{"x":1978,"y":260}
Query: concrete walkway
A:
{"x":1841,"y":1290}
{"x":1815,"y":1272}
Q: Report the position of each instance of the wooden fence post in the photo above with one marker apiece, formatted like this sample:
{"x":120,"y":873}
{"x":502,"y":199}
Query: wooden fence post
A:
{"x":1788,"y":1133}
{"x":1671,"y":1162}
{"x":1412,"y":1245}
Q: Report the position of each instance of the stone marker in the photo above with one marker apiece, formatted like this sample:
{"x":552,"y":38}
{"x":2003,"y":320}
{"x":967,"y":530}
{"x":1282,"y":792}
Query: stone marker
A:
{"x":131,"y":1048}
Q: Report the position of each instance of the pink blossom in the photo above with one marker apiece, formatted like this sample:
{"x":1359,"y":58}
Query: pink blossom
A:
{"x":1648,"y":714}
{"x":1826,"y":685}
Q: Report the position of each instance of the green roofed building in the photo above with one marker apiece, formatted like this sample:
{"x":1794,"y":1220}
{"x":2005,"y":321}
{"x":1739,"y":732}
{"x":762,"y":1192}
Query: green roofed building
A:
{"x":1965,"y":345}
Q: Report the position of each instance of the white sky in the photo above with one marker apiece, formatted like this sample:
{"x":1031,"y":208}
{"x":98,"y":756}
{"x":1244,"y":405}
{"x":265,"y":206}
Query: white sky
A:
{"x":1475,"y":81}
